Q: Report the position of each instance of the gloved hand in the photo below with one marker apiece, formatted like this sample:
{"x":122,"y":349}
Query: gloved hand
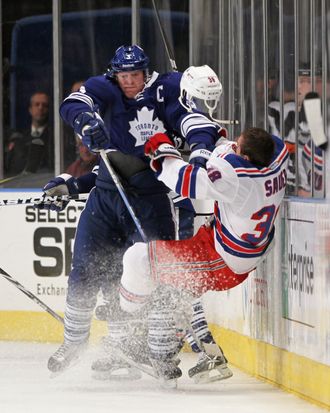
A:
{"x":177,"y":141}
{"x":91,"y":128}
{"x":63,"y":184}
{"x":199,"y":155}
{"x":158,"y":147}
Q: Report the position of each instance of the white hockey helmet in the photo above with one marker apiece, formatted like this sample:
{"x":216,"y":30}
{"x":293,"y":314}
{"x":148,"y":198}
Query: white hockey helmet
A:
{"x":200,"y":89}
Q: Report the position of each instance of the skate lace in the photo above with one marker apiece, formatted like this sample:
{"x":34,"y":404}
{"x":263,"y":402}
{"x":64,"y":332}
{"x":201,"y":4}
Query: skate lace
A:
{"x":207,"y":359}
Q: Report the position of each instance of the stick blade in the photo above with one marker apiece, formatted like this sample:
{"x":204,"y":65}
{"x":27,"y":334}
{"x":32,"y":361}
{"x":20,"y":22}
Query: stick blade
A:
{"x":312,"y":106}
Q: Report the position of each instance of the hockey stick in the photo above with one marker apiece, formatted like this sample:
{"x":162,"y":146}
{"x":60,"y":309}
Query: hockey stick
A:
{"x":32,"y":296}
{"x":312,"y":106}
{"x":171,"y":58}
{"x":11,"y":178}
{"x":168,"y":49}
{"x":116,"y":351}
{"x":123,"y":194}
{"x":51,"y":199}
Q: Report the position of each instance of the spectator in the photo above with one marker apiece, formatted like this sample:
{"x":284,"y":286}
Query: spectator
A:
{"x":32,"y":149}
{"x":84,"y":163}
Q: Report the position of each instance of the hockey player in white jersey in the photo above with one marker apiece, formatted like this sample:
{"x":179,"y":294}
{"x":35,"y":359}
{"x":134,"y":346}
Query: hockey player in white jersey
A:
{"x":246,"y":179}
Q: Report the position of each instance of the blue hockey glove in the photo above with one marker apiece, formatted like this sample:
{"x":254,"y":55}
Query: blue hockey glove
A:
{"x":199,"y":155}
{"x":63,"y":184}
{"x":91,"y":128}
{"x":159,"y":147}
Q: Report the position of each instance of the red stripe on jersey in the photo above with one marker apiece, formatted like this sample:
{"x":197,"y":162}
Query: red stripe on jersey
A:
{"x":233,"y":245}
{"x":192,"y":264}
{"x":186,"y":181}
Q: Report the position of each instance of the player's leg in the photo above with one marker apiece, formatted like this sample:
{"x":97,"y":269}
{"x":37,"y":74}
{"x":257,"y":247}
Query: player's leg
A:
{"x":156,"y":216}
{"x":164,"y":334}
{"x":91,"y":249}
{"x":212,"y":363}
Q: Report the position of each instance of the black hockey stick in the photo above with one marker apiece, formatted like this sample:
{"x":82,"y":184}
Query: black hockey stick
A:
{"x":168,"y":49}
{"x":45,"y":198}
{"x":171,"y":58}
{"x":32,"y":296}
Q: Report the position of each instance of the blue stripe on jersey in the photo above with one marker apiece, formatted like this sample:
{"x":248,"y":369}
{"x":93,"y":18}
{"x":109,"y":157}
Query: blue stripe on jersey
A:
{"x":239,"y":242}
{"x":245,"y":168}
{"x":239,"y":253}
{"x":192,"y":185}
{"x":309,"y":159}
{"x":186,"y":183}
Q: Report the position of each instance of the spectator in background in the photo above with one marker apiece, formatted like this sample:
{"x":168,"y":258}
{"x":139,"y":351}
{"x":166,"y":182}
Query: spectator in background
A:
{"x":297,"y":142}
{"x":84,"y":163}
{"x":32,"y":149}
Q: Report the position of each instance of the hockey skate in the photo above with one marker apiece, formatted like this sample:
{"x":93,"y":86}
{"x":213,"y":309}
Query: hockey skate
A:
{"x":114,"y":364}
{"x":67,"y":355}
{"x":211,"y":366}
{"x":167,"y":372}
{"x":114,"y":368}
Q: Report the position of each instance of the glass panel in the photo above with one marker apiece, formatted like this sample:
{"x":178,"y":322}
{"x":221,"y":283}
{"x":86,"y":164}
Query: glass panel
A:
{"x":174,"y":16}
{"x":205,"y":41}
{"x":27,"y":85}
{"x":91,"y":33}
{"x":248,"y":77}
{"x":310,"y":157}
{"x":259,"y":64}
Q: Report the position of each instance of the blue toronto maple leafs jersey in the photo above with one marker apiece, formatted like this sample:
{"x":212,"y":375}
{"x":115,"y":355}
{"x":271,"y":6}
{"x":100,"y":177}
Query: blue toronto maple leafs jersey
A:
{"x":131,"y":122}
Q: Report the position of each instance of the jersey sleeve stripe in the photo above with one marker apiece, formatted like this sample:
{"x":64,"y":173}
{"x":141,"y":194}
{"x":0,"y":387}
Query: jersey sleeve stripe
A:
{"x":194,"y":121}
{"x":186,"y":184}
{"x":82,"y":98}
{"x":264,"y":172}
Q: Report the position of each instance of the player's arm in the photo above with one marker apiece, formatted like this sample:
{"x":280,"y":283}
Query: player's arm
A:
{"x":200,"y":133}
{"x":217,"y":181}
{"x":82,"y":110}
{"x":66,"y":184}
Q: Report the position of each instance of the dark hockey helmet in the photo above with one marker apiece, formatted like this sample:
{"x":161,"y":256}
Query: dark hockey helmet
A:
{"x":127,"y":59}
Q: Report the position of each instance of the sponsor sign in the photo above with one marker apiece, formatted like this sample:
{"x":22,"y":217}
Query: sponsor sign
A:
{"x":35,"y":249}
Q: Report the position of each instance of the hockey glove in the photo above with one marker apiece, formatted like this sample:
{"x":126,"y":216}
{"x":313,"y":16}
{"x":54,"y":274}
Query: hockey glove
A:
{"x":63,"y":184}
{"x":199,"y":155}
{"x":91,"y":128}
{"x":159,"y":147}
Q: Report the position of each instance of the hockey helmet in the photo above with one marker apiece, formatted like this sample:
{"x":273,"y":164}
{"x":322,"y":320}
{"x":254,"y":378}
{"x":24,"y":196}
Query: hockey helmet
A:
{"x":126,"y":59}
{"x":200,"y":89}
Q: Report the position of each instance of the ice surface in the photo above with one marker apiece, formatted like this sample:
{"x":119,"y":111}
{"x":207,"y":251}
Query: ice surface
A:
{"x":26,"y":387}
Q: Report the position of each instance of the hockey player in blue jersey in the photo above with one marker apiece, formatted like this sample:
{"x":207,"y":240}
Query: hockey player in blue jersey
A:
{"x":118,"y":112}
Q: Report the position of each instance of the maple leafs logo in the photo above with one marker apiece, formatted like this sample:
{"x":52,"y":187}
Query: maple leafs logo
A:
{"x":144,"y":126}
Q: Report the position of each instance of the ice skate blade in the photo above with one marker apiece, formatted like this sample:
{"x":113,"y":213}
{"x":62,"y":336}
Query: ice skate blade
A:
{"x":74,"y":362}
{"x":122,"y":374}
{"x":217,"y":374}
{"x":168,"y":384}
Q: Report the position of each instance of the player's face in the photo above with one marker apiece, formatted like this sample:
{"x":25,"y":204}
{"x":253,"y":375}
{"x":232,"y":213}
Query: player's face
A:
{"x":238,"y":145}
{"x":131,"y":83}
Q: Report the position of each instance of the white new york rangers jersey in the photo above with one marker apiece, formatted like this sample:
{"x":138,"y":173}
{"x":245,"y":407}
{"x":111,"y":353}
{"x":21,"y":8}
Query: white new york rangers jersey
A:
{"x":247,"y":200}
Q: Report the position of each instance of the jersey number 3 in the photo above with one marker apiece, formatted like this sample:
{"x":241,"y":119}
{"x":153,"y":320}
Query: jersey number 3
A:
{"x":265,"y":217}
